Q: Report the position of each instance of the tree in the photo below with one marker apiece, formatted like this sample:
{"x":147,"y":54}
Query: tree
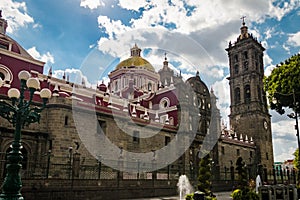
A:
{"x":204,"y":184}
{"x":242,"y":173}
{"x":244,"y":191}
{"x":283,"y":85}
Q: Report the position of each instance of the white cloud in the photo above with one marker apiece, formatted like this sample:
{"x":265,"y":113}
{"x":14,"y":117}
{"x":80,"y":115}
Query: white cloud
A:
{"x":267,"y":60}
{"x":294,"y":39}
{"x":268,"y":70}
{"x":284,"y":136}
{"x":16,"y":14}
{"x":278,"y":11}
{"x":269,"y":32}
{"x":222,"y":92}
{"x":73,"y":75}
{"x":92,"y":4}
{"x":204,"y":23}
{"x":47,"y":57}
{"x":134,"y":5}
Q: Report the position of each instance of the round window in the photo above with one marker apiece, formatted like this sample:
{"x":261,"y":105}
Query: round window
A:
{"x":5,"y":74}
{"x":164,"y":102}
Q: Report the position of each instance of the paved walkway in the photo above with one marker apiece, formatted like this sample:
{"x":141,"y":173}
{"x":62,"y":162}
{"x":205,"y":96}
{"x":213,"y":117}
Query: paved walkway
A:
{"x":220,"y":196}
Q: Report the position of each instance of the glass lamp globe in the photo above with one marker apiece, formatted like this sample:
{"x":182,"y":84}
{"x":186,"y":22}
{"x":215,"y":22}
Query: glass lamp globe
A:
{"x":45,"y":93}
{"x":33,"y":83}
{"x":24,"y":75}
{"x":13,"y":93}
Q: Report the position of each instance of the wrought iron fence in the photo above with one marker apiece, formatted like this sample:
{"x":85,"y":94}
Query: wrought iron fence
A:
{"x":82,"y":168}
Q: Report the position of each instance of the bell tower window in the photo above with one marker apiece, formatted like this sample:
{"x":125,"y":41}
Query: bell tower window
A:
{"x":246,"y":66}
{"x":236,"y":58}
{"x":237,"y":95}
{"x":247,"y":94}
{"x":236,"y":69}
{"x":245,"y":55}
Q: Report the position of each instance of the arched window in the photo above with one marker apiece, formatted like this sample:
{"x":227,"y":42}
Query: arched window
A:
{"x":247,"y":94}
{"x":245,"y":55}
{"x":149,"y":86}
{"x":236,"y":58}
{"x":116,"y":86}
{"x":66,"y":120}
{"x":236,"y":69}
{"x":237,"y":95}
{"x":259,"y":93}
{"x":5,"y":74}
{"x":246,"y":67}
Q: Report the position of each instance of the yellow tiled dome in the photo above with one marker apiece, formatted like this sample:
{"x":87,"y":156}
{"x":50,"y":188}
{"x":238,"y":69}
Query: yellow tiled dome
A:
{"x":135,"y":61}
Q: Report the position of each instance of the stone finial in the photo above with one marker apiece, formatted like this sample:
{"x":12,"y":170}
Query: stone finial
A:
{"x":156,"y":117}
{"x":50,"y":72}
{"x":171,"y":82}
{"x":83,"y":82}
{"x":133,"y":113}
{"x":235,"y":136}
{"x":241,"y":138}
{"x":110,"y":103}
{"x":3,"y":24}
{"x":55,"y":91}
{"x":246,"y":139}
{"x":146,"y":116}
{"x":167,"y":120}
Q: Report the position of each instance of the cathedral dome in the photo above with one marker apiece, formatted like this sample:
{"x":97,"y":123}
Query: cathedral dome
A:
{"x":9,"y":44}
{"x":135,"y":61}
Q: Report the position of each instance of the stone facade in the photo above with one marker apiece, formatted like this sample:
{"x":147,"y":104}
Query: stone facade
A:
{"x":159,"y":105}
{"x":248,"y":110}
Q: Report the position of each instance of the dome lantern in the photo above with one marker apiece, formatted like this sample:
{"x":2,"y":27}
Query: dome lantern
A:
{"x":135,"y":51}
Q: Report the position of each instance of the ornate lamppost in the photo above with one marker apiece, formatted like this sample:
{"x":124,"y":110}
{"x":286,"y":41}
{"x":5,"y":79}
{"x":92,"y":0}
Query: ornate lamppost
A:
{"x":295,"y":116}
{"x":19,"y":113}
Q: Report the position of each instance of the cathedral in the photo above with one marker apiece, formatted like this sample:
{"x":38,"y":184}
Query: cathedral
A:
{"x":148,"y":125}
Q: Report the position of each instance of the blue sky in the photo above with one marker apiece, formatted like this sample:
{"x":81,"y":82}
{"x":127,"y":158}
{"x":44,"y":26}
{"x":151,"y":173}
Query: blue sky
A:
{"x":89,"y":37}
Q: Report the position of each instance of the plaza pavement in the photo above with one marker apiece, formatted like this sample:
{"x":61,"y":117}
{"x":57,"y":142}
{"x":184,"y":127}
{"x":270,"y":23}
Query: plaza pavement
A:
{"x":220,"y":196}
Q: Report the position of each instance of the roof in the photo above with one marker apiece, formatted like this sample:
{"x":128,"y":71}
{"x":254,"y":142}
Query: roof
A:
{"x":15,"y":47}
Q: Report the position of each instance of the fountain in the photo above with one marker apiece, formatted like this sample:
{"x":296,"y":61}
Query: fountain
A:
{"x":184,"y":187}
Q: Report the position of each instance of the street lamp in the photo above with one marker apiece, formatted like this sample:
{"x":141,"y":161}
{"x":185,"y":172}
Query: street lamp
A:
{"x":293,"y":116}
{"x":19,"y":113}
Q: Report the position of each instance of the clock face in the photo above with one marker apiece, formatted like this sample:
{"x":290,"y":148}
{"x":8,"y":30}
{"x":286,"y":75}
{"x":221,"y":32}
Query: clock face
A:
{"x":265,"y":125}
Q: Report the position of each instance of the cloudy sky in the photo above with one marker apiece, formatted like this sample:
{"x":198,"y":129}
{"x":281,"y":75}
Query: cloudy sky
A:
{"x":89,"y":37}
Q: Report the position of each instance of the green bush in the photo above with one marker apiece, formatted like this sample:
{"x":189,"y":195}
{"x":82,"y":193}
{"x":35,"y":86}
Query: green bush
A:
{"x":210,"y":198}
{"x":237,"y":194}
{"x":189,"y":196}
{"x":251,"y":195}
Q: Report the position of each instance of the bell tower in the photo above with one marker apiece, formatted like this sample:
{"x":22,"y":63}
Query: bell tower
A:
{"x":249,"y":113}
